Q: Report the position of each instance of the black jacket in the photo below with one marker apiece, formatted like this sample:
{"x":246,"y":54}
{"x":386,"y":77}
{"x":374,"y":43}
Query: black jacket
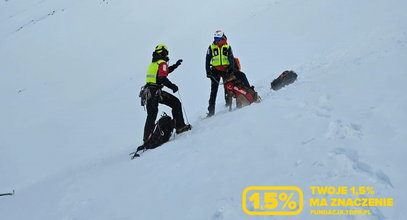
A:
{"x":163,"y":80}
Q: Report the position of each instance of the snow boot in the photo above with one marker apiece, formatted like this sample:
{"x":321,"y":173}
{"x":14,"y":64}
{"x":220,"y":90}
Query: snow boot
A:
{"x":183,"y":129}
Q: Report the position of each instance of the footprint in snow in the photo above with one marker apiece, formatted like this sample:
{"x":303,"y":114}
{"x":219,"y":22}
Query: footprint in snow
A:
{"x":357,"y":165}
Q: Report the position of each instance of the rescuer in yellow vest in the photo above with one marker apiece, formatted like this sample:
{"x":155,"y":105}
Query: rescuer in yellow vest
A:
{"x":220,"y":60}
{"x":156,"y":79}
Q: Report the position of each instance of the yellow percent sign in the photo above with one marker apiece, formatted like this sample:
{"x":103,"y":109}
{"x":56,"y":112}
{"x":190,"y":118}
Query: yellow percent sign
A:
{"x":287,"y":199}
{"x":370,"y":190}
{"x":264,"y":200}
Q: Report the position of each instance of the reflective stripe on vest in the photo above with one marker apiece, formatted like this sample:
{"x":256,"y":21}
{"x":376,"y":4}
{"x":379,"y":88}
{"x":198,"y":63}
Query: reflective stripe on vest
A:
{"x":151,"y":76}
{"x":220,"y":56}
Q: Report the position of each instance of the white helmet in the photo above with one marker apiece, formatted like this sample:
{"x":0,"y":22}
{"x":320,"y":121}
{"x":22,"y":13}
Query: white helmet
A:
{"x":219,"y":34}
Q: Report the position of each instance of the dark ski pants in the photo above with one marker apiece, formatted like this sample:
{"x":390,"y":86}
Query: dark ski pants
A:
{"x":152,"y":111}
{"x":215,"y":79}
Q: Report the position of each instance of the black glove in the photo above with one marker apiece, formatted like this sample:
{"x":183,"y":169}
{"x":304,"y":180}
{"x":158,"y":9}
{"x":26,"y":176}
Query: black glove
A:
{"x":178,"y":62}
{"x":174,"y":88}
{"x":175,"y":65}
{"x":209,"y":74}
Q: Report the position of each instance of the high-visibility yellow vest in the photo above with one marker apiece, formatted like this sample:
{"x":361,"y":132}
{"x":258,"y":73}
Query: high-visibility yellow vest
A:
{"x":151,"y":76}
{"x":219,"y":55}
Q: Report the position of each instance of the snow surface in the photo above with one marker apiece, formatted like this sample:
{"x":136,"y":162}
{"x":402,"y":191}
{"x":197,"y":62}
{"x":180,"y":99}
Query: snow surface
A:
{"x":70,"y":75}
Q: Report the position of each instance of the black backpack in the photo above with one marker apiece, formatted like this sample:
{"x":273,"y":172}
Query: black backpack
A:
{"x":285,"y":78}
{"x":162,"y":132}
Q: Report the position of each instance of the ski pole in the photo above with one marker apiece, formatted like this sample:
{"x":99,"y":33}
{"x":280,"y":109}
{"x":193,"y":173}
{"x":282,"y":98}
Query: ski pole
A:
{"x":186,"y":117}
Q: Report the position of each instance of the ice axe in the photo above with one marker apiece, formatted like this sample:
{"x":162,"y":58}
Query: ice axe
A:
{"x":212,"y":77}
{"x":7,"y":194}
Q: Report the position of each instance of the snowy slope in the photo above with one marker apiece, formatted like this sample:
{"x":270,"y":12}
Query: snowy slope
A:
{"x":70,"y":74}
